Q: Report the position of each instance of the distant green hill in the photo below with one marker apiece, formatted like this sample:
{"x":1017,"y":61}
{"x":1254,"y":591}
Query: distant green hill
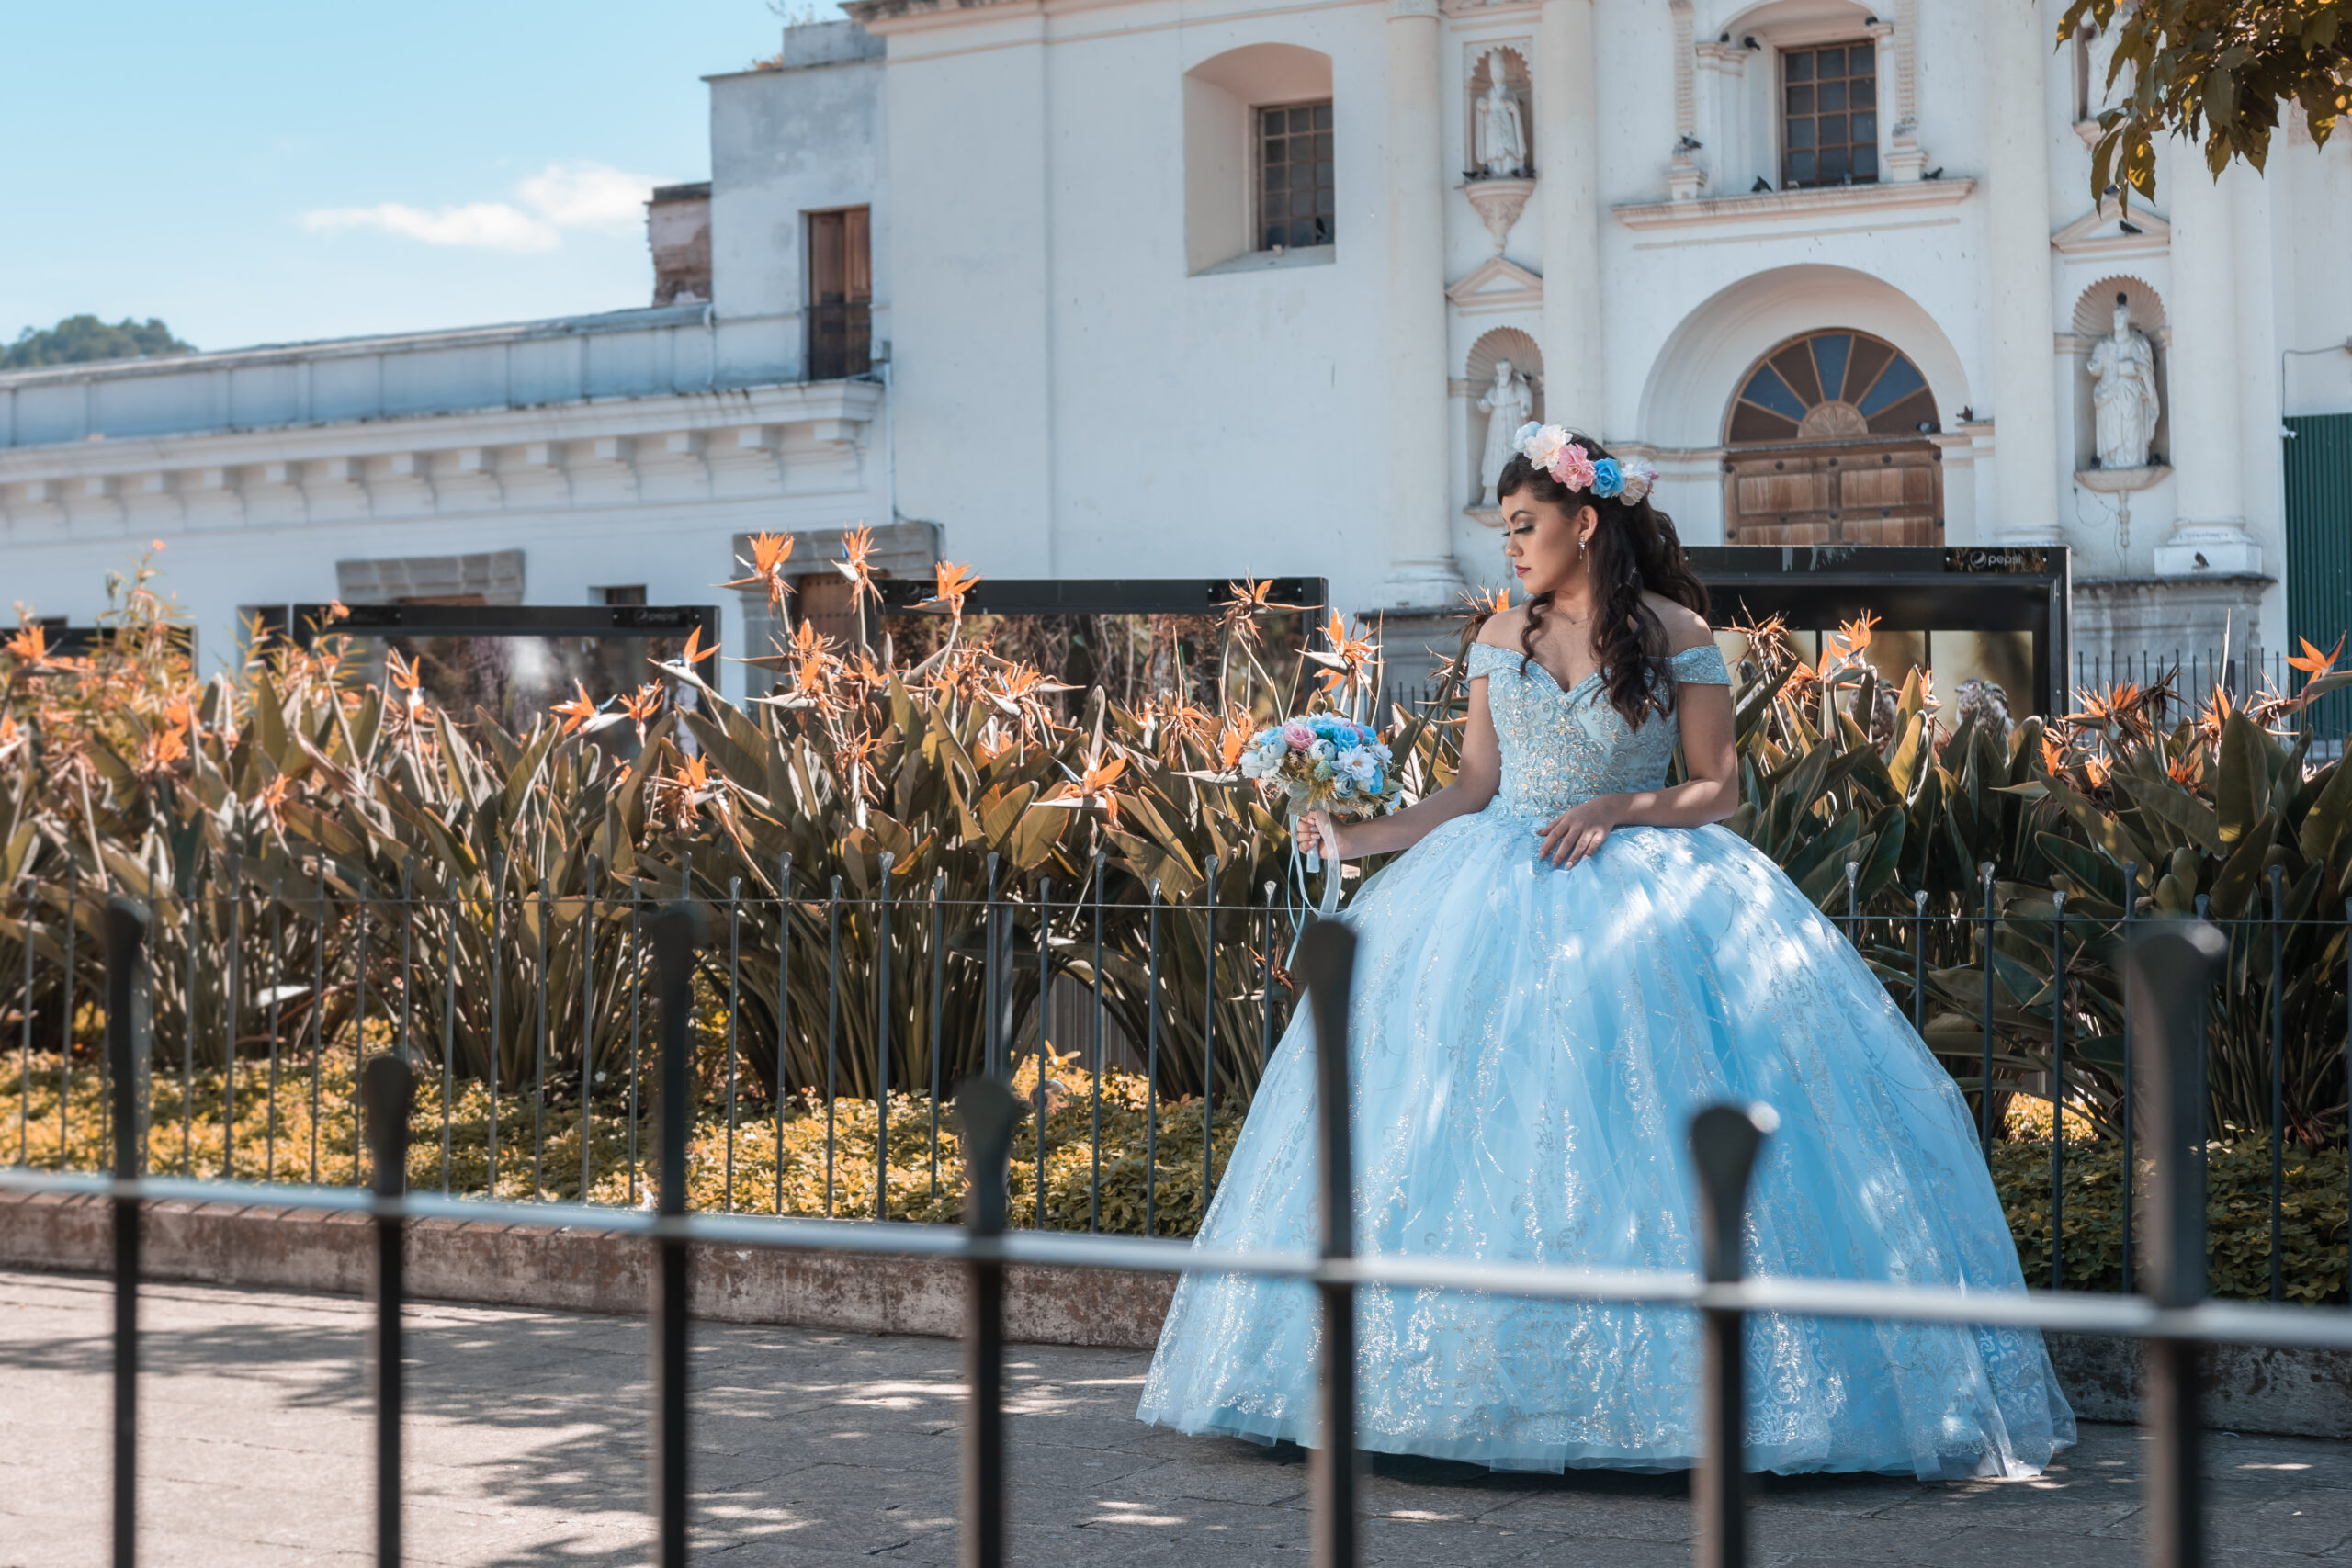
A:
{"x":77,"y":340}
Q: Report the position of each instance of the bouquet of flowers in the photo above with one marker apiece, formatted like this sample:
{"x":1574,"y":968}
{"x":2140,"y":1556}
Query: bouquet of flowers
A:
{"x":1321,"y":762}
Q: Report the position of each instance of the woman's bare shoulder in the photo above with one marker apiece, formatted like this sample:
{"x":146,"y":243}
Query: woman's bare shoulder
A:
{"x":1685,"y":627}
{"x":1502,"y":627}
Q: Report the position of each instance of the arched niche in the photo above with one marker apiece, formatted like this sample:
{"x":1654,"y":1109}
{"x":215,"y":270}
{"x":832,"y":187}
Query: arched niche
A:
{"x":1221,"y":96}
{"x":1485,"y":60}
{"x":1825,"y":441}
{"x":2094,"y":318}
{"x":1493,"y":347}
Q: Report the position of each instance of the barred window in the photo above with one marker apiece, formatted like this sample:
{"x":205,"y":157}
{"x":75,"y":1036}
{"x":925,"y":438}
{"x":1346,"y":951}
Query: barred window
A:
{"x":1829,"y":115}
{"x":1297,"y":201}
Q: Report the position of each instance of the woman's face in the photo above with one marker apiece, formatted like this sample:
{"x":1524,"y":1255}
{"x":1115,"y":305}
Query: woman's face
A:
{"x":1544,"y":542}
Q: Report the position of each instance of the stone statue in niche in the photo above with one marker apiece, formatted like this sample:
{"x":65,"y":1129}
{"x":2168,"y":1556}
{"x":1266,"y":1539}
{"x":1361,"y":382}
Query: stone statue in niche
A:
{"x":1501,"y":142}
{"x":1508,"y":405}
{"x":2123,"y":393}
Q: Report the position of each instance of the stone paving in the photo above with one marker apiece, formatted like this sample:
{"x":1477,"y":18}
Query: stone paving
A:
{"x":525,"y":1445}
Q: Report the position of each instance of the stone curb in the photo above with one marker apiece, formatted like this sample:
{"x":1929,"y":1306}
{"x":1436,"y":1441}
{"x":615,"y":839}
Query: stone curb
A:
{"x":2249,"y":1388}
{"x":568,"y":1270}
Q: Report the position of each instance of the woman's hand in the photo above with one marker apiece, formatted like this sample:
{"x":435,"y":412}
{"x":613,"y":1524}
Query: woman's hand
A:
{"x":1318,"y":834}
{"x":1575,"y":834}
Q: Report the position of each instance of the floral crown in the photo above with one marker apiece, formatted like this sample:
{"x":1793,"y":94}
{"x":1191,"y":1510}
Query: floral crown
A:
{"x":1559,"y":454}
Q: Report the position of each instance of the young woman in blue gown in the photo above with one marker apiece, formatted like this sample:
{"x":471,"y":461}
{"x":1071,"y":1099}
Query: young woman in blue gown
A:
{"x":1570,"y":959}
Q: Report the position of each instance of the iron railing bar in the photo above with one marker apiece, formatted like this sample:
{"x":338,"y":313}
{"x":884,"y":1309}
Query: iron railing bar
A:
{"x":2058,"y":1090}
{"x":187,"y":1055}
{"x":882,"y":1011}
{"x":276,"y":985}
{"x":588,"y":1030}
{"x":1045,"y":1046}
{"x":1985,"y":1082}
{"x":1151,"y":1070}
{"x":1094,"y":1136}
{"x":783,"y":1008}
{"x":25,"y":1046}
{"x":832,"y":1027}
{"x":2130,"y":1182}
{"x":539,"y":1051}
{"x":65,"y":1027}
{"x":2277,"y":1084}
{"x":358,"y":1033}
{"x":318,"y":1012}
{"x":448,"y":1042}
{"x":636,"y":1024}
{"x":496,"y":1051}
{"x":734,"y":1014}
{"x":938,"y":981}
{"x":1208,"y":1036}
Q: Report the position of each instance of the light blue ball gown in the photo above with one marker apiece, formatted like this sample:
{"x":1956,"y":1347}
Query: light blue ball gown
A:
{"x":1529,"y":1046}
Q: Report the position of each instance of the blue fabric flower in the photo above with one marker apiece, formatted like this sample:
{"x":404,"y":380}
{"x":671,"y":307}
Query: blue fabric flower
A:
{"x":1608,"y":478}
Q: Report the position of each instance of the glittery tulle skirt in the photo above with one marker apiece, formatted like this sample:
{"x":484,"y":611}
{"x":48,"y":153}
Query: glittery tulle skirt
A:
{"x":1529,"y":1047}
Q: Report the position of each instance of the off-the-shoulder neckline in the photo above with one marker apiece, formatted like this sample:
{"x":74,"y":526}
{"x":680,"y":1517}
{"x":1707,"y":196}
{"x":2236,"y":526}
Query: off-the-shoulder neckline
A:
{"x":1554,"y":681}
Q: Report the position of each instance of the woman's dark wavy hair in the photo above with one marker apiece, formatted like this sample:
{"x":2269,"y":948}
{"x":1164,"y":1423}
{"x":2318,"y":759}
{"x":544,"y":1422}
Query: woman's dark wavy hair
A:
{"x":1634,"y":548}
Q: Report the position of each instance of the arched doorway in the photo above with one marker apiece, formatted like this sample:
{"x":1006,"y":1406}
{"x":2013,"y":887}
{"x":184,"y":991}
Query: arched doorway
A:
{"x":1826,"y":443}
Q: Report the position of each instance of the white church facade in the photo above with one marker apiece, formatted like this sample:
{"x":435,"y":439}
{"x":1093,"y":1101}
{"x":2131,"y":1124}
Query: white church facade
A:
{"x":1147,"y":287}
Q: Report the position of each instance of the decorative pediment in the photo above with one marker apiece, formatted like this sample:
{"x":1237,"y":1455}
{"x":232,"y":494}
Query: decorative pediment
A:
{"x":2108,"y":230}
{"x":1497,"y":283}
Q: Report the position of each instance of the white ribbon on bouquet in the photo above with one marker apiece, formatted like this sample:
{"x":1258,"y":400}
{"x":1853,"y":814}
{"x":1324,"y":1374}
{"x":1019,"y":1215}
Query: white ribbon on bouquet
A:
{"x":1297,"y":902}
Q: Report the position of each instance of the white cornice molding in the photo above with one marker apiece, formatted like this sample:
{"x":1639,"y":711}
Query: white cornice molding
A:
{"x":1816,"y":202}
{"x":837,"y":412}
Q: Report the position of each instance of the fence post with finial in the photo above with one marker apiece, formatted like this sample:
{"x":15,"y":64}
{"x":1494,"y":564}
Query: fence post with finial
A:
{"x":2171,"y":966}
{"x":1723,"y":1143}
{"x":126,"y":1023}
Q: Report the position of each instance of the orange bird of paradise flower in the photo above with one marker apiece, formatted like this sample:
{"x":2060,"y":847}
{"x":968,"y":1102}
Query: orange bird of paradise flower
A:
{"x":642,"y":705}
{"x":30,"y":643}
{"x":406,"y":678}
{"x":1093,"y":788}
{"x":856,"y":564}
{"x":576,"y":713}
{"x":1246,"y":603}
{"x":2311,"y":662}
{"x":1347,"y":658}
{"x":952,"y":581}
{"x":765,"y":569}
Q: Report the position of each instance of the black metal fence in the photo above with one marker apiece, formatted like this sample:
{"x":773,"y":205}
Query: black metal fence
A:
{"x":527,"y":1019}
{"x":2172,"y":966}
{"x":2245,"y":674}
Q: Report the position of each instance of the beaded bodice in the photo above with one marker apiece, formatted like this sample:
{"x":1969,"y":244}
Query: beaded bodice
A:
{"x":1560,"y":746}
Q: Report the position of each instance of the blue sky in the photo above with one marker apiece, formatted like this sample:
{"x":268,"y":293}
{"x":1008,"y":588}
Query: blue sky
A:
{"x":259,"y":171}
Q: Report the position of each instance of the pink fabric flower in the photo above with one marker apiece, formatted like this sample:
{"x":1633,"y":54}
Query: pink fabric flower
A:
{"x":1573,"y":467}
{"x":1297,"y":736}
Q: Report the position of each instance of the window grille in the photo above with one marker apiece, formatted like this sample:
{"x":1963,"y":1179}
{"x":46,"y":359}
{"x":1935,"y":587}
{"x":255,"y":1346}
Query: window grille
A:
{"x":1297,"y":199}
{"x":1829,"y":115}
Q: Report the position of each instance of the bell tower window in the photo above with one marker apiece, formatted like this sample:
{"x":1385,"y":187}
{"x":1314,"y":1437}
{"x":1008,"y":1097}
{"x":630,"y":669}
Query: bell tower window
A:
{"x":1829,"y":115}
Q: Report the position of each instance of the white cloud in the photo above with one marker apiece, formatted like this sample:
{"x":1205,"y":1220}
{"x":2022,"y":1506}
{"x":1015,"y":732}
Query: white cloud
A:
{"x":561,"y":196}
{"x":587,"y":195}
{"x":482,"y":225}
